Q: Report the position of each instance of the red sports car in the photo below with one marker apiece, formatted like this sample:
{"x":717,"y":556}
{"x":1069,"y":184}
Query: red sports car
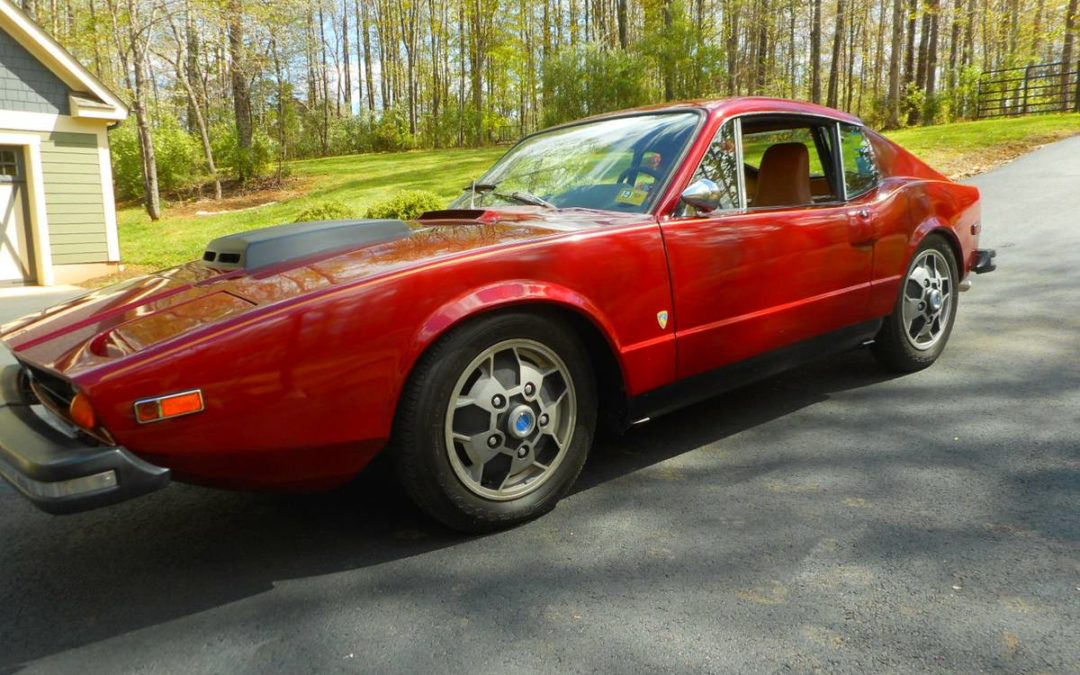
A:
{"x":604,"y":271}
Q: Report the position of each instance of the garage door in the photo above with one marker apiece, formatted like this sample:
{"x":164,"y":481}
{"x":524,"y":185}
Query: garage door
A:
{"x":16,"y":262}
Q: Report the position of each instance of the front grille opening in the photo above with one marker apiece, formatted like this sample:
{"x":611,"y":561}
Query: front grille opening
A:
{"x":209,"y":256}
{"x":45,"y":385}
{"x":229,"y":258}
{"x":55,"y":395}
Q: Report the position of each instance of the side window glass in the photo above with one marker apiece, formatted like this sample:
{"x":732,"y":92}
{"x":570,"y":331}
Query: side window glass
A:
{"x":779,"y":184}
{"x":720,"y":165}
{"x":860,"y":170}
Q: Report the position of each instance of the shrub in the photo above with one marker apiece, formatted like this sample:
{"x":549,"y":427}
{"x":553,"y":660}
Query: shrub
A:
{"x":406,"y":205}
{"x":180,"y":162}
{"x":330,"y":209}
{"x":254,"y":161}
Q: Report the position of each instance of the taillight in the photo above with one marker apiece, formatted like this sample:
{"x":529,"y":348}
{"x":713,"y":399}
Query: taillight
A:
{"x":163,"y":407}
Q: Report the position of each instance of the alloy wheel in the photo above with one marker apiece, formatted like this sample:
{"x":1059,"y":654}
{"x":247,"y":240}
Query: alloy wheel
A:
{"x":510,"y":419}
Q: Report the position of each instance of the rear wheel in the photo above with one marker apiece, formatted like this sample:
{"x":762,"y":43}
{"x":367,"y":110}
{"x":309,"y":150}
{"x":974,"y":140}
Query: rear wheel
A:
{"x":496,"y":421}
{"x":914,"y":335}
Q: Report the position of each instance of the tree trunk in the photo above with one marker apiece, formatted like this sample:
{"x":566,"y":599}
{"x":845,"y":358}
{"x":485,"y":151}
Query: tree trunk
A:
{"x":932,"y":59}
{"x":669,"y":71}
{"x":369,"y":80}
{"x":954,"y":44}
{"x":346,"y":66}
{"x":815,"y":53}
{"x":924,"y":47}
{"x":1071,"y":19}
{"x":909,"y":51}
{"x":834,"y":67}
{"x":152,"y":194}
{"x":621,"y":18}
{"x":240,"y":90}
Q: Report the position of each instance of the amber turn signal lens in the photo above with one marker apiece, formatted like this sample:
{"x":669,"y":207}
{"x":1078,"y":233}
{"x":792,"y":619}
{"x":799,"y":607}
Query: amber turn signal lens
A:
{"x":181,"y":404}
{"x":164,"y":407}
{"x":82,"y":413}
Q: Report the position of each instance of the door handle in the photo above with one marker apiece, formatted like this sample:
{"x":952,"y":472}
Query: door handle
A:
{"x":862,"y":232}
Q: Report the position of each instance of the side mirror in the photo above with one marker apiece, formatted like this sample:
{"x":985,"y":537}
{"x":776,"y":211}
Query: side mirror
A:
{"x":703,"y":194}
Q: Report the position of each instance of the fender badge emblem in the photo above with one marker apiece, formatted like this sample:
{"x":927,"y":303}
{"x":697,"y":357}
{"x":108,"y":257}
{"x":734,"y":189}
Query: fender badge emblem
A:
{"x":661,"y":318}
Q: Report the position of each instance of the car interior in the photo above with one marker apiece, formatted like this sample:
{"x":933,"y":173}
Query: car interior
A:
{"x":788,"y":162}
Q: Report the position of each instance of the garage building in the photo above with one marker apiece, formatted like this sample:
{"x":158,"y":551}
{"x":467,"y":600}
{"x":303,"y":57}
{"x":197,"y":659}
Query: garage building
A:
{"x":57,"y":211}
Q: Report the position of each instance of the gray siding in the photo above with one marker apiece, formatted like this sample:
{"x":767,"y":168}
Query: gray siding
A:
{"x":73,"y":198}
{"x":26,"y":85}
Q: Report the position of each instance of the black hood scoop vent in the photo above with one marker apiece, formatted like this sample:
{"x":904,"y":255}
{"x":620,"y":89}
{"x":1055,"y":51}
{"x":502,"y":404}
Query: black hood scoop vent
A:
{"x":269,"y":245}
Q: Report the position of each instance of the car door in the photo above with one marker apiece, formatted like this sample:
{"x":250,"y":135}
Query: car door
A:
{"x":749,"y":280}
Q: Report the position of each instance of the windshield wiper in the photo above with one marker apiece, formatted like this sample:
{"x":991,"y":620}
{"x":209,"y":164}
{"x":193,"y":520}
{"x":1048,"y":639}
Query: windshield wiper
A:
{"x":526,"y":198}
{"x":519,"y":196}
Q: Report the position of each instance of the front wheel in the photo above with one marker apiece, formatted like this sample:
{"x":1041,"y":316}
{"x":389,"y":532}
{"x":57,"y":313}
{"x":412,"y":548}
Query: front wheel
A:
{"x":914,"y":335}
{"x":496,"y":421}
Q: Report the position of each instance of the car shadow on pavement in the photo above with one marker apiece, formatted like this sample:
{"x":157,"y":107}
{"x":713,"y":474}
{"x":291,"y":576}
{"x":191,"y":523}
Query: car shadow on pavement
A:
{"x":81,"y":579}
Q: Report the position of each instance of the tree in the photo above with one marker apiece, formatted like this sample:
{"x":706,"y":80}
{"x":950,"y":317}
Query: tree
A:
{"x":834,"y":68}
{"x":186,"y":68}
{"x":241,"y":91}
{"x":815,"y":52}
{"x":133,"y":24}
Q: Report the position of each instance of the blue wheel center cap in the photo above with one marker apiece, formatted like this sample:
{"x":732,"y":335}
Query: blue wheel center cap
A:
{"x":522,"y":421}
{"x":935,"y":300}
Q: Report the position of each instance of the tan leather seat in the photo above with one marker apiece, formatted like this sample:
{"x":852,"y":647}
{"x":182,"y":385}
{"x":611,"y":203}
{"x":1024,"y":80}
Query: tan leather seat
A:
{"x":784,"y":176}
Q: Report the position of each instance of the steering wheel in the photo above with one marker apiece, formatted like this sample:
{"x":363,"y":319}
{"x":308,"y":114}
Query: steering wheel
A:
{"x":633,"y":172}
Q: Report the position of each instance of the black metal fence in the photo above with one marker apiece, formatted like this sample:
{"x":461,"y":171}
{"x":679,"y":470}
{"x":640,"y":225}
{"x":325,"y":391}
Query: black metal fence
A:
{"x":1040,"y":88}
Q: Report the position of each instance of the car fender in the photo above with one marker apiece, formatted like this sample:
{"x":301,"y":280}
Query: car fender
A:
{"x":506,"y":294}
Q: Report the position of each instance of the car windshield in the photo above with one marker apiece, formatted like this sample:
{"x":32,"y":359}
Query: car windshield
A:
{"x":616,"y":164}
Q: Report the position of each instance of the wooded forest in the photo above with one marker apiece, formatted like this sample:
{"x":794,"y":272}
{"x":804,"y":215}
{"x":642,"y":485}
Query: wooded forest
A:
{"x":231,"y":90}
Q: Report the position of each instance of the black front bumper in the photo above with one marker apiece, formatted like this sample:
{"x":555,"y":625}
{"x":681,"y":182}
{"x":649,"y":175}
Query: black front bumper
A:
{"x":61,"y":472}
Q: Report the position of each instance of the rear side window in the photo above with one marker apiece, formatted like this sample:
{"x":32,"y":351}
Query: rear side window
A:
{"x":860,"y":171}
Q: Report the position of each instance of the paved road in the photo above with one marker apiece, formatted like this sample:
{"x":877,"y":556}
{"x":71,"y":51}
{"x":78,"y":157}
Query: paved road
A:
{"x":833,"y":518}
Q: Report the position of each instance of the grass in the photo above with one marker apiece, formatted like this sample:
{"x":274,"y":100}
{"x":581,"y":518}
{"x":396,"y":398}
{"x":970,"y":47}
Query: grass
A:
{"x":356,"y":180}
{"x":957,"y":150}
{"x":967,"y":148}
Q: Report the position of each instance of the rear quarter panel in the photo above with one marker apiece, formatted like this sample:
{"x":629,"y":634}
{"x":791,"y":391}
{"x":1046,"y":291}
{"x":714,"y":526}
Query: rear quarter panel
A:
{"x":924,"y":202}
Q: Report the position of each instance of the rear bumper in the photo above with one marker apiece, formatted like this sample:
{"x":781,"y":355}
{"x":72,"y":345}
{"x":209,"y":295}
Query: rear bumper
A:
{"x":61,"y":472}
{"x":984,"y":261}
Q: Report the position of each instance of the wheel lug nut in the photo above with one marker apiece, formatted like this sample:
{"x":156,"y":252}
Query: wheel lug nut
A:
{"x":523,"y":452}
{"x":498,"y":401}
{"x":530,"y":389}
{"x":493,"y":441}
{"x":543,"y":420}
{"x":922,"y":306}
{"x":927,"y":283}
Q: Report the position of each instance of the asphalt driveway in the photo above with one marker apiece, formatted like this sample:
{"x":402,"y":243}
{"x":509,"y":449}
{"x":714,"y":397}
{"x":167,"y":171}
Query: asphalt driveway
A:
{"x":834,"y":518}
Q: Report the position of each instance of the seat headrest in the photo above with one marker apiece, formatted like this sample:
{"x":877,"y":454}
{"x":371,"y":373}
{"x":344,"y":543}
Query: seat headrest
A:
{"x":784,"y":176}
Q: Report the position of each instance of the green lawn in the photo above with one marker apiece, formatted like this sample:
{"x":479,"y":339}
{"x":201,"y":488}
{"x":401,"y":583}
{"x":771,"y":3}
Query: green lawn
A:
{"x":967,"y":148}
{"x":355,"y":180}
{"x":359,"y":180}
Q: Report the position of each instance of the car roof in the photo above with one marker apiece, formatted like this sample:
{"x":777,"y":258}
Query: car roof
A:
{"x":742,"y":105}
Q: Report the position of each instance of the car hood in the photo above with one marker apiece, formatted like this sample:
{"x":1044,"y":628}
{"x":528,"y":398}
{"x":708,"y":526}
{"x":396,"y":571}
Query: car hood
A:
{"x":102,"y":326}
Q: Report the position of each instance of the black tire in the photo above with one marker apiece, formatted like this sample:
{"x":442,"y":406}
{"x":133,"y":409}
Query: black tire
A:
{"x":892,"y":346}
{"x":419,"y":443}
